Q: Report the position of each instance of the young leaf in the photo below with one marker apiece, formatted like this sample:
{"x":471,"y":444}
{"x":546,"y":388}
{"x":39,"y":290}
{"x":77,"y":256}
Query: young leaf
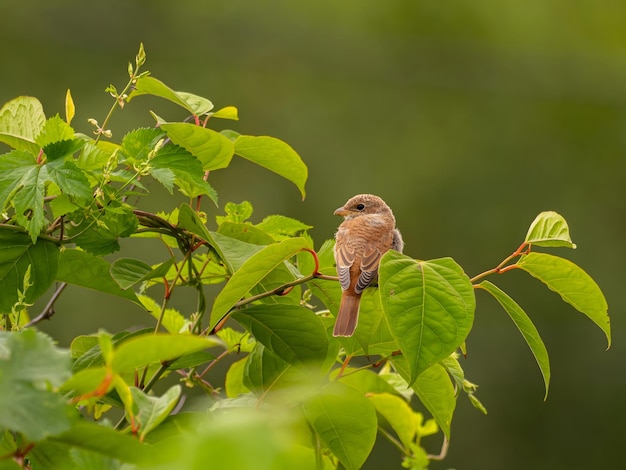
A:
{"x":549,"y":229}
{"x":173,"y":320}
{"x":210,"y":147}
{"x":21,"y":120}
{"x":151,"y":86}
{"x":251,"y":273}
{"x":345,"y":422}
{"x":152,"y":411}
{"x":293,"y":333}
{"x":227,"y":112}
{"x":54,"y":129}
{"x":573,"y":284}
{"x":17,"y":254}
{"x":155,"y":348}
{"x":525,"y":326}
{"x":93,"y":272}
{"x":70,"y":109}
{"x":429,"y":306}
{"x":275,"y":155}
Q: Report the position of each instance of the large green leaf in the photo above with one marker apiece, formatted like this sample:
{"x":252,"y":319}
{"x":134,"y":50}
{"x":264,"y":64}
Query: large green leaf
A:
{"x":151,"y":86}
{"x":525,"y":326}
{"x":263,"y":370}
{"x":93,"y":272}
{"x":429,"y":306}
{"x":573,"y":284}
{"x":293,"y":333}
{"x":549,"y":229}
{"x":210,"y":147}
{"x":154,"y":348}
{"x":251,"y":273}
{"x":28,"y":361}
{"x":345,"y":422}
{"x":275,"y":155}
{"x":21,"y":120}
{"x":17,"y":254}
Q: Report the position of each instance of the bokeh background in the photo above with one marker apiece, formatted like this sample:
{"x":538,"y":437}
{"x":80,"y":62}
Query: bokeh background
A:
{"x":467,"y":117}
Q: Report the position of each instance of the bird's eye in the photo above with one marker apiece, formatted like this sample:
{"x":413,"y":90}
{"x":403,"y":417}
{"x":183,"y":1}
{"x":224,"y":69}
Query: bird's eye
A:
{"x":360,"y":207}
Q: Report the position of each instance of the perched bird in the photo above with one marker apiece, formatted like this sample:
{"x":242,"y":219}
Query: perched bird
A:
{"x":366,"y":234}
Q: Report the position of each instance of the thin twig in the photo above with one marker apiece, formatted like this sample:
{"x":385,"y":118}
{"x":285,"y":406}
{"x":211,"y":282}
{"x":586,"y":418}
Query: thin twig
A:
{"x":48,"y":310}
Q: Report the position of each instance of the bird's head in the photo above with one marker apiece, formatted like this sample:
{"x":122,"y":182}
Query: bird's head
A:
{"x":363,"y":204}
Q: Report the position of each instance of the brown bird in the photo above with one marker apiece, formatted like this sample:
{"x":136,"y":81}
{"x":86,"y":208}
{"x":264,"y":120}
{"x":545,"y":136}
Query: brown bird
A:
{"x":366,"y":234}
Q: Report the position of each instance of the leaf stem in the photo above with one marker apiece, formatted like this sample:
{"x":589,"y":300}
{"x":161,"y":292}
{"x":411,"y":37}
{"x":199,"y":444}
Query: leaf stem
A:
{"x":48,"y":310}
{"x":523,"y":249}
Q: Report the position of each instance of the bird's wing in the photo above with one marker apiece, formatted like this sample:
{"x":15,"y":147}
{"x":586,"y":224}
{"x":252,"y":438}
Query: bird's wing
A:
{"x":369,"y":266}
{"x":344,"y":256}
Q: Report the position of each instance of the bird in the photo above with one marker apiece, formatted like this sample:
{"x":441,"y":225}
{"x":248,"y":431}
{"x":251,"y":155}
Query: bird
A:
{"x":367,"y":232}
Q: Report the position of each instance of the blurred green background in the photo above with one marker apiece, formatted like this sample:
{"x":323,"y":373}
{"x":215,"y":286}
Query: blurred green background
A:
{"x":467,"y":117}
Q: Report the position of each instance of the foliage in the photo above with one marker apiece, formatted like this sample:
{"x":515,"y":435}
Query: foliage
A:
{"x":292,"y":396}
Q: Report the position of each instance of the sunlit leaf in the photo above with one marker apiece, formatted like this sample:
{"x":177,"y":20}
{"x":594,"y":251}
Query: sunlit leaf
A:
{"x":549,"y":229}
{"x":127,"y":272}
{"x":155,"y":348}
{"x":251,"y":273}
{"x":429,"y":306}
{"x":70,"y":109}
{"x":210,"y":147}
{"x":275,"y":155}
{"x":345,"y":422}
{"x":293,"y":333}
{"x":21,"y":120}
{"x":573,"y":284}
{"x":398,"y":413}
{"x":525,"y":326}
{"x":151,"y":86}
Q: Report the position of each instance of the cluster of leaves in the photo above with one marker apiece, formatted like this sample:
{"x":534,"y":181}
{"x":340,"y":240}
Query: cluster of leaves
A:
{"x":293,"y":396}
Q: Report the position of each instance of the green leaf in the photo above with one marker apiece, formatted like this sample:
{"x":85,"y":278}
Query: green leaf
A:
{"x":235,"y":213}
{"x":90,"y":436}
{"x":233,"y":383}
{"x":549,"y":229}
{"x":525,"y":326}
{"x":21,"y":119}
{"x":152,"y":411}
{"x":187,"y":170}
{"x":435,"y":390}
{"x":28,"y":361}
{"x":263,"y":370}
{"x":98,"y":232}
{"x":93,"y":272}
{"x":293,"y":333}
{"x":227,"y":112}
{"x":279,"y":226}
{"x":151,"y":86}
{"x":17,"y":254}
{"x":154,"y":348}
{"x":345,"y":422}
{"x":189,"y":220}
{"x":398,"y":414}
{"x":210,"y":147}
{"x":251,"y":273}
{"x":429,"y":306}
{"x":573,"y":284}
{"x":173,"y":320}
{"x":138,"y":143}
{"x":127,"y":272}
{"x":62,"y":149}
{"x":275,"y":155}
{"x":54,"y":129}
{"x":70,"y":179}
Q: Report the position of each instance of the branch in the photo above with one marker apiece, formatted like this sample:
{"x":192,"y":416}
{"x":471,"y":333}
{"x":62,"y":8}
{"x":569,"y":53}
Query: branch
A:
{"x":48,"y":310}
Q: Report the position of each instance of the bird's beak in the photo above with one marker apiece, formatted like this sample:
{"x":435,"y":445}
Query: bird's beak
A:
{"x":342,"y":211}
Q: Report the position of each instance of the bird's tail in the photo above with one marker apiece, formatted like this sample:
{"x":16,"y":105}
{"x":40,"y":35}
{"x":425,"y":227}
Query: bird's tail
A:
{"x":348,"y":315}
